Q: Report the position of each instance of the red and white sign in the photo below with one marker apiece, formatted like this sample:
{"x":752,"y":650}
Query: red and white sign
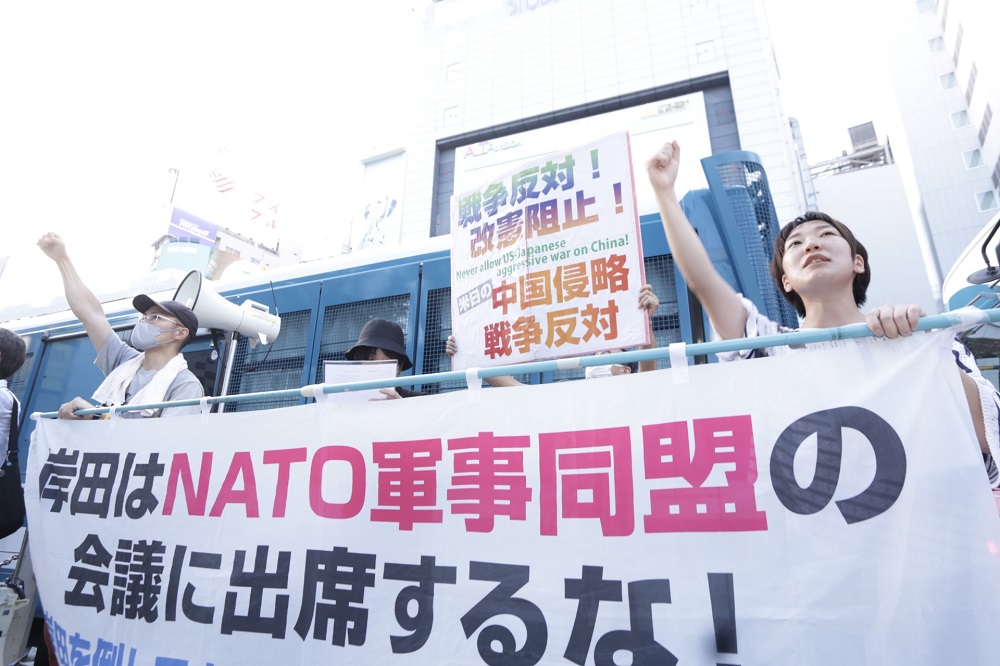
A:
{"x":547,"y":260}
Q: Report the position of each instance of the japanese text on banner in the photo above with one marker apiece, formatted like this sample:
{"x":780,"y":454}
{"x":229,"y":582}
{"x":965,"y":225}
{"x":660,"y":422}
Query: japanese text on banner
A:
{"x":547,"y":260}
{"x":702,"y":523}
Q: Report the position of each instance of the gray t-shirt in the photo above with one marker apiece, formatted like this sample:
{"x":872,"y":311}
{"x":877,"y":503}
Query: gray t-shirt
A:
{"x":185,"y":386}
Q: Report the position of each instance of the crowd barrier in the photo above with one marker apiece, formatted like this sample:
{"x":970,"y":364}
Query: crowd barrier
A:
{"x":678,"y":352}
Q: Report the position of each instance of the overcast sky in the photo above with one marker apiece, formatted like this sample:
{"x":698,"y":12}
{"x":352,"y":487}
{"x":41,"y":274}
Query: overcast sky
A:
{"x":833,"y":75}
{"x":102,"y":98}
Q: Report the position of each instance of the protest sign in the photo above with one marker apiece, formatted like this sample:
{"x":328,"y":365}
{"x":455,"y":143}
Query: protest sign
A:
{"x":757,"y":514}
{"x":345,"y":372}
{"x":547,"y":260}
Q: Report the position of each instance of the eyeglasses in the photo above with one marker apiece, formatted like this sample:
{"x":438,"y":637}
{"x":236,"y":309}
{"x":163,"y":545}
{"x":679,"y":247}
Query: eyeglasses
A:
{"x":154,"y":318}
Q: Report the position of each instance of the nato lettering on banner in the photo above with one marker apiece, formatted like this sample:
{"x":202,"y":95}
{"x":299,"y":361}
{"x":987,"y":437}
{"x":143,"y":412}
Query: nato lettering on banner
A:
{"x":547,"y":260}
{"x":489,"y":477}
{"x":627,"y":521}
{"x":581,"y":475}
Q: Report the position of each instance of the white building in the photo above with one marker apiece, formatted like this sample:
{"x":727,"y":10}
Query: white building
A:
{"x":845,"y":188}
{"x":502,"y":79}
{"x":944,"y":61}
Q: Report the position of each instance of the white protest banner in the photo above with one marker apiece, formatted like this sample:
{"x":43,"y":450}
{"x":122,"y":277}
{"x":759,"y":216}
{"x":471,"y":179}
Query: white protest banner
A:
{"x":547,"y":260}
{"x":827,"y":507}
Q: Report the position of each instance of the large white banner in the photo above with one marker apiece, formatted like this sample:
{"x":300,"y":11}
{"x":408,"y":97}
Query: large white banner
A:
{"x":547,"y":260}
{"x":827,"y":507}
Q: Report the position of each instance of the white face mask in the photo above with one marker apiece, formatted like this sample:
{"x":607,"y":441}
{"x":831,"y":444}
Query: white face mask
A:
{"x":144,"y":335}
{"x":595,"y":371}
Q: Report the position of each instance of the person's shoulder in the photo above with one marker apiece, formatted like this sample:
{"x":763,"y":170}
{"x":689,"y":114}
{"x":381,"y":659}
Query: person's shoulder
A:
{"x":114,"y":352}
{"x":113,"y":343}
{"x":185,"y":385}
{"x":186,"y":375}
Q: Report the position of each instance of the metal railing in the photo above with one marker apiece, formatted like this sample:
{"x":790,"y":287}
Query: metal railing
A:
{"x":963,"y":318}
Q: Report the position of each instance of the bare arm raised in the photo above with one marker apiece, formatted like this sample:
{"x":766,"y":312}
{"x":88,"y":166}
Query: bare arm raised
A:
{"x":720,"y":300}
{"x":81,"y":299}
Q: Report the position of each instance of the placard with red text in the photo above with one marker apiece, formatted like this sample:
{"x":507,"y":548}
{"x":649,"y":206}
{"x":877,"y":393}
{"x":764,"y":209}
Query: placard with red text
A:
{"x":547,"y":260}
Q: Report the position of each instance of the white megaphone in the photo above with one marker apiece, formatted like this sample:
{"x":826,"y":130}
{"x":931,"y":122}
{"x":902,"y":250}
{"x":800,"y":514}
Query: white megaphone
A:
{"x":213,"y":311}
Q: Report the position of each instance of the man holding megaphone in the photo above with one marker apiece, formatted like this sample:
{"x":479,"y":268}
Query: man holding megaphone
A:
{"x":152,"y":369}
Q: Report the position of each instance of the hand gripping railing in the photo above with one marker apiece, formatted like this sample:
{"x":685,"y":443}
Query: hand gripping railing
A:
{"x":961,"y":319}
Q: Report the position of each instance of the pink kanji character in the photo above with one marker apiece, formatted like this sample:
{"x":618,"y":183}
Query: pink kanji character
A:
{"x":407,"y":482}
{"x":590,"y":471}
{"x":489,"y":479}
{"x":699,"y":508}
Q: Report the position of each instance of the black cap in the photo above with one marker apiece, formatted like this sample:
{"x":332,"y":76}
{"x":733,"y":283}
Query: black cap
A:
{"x":183,"y":313}
{"x":385,"y":335}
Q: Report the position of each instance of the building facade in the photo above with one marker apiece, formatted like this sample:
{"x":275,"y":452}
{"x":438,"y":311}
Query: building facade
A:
{"x":499,"y":80}
{"x":845,"y":188}
{"x":944,"y":62}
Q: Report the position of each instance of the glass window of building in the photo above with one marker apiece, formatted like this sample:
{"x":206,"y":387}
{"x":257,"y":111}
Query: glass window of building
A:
{"x":973,"y":158}
{"x":960,"y":119}
{"x":936,"y":45}
{"x":949,"y":81}
{"x":986,"y":200}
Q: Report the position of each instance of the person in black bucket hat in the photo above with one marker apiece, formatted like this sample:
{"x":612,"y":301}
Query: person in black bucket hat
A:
{"x":382,"y":340}
{"x":151,"y":368}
